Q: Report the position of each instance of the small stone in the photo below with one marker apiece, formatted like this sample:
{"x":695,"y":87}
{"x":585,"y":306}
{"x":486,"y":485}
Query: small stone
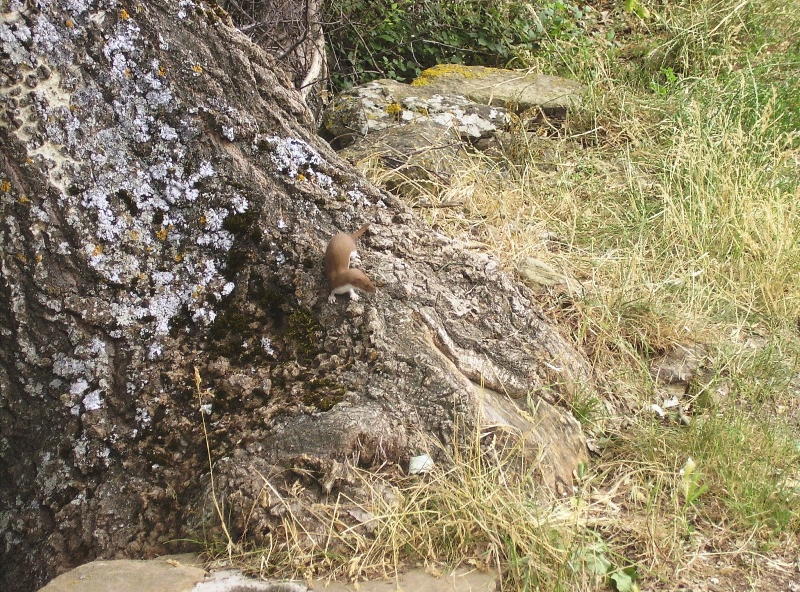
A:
{"x":538,"y":274}
{"x":679,"y":365}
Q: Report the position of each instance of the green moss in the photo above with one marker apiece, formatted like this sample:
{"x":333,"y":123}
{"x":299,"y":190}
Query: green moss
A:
{"x":394,"y":108}
{"x":239,"y":224}
{"x":304,"y":331}
{"x":322,"y":394}
{"x":229,"y":331}
{"x":431,"y":74}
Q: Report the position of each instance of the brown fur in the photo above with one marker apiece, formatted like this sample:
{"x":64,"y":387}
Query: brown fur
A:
{"x":337,"y":262}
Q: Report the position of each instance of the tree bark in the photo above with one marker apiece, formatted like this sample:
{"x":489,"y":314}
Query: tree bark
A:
{"x":291,"y":32}
{"x":165,"y":206}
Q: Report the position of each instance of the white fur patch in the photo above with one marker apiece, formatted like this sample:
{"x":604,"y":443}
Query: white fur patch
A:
{"x":343,"y":289}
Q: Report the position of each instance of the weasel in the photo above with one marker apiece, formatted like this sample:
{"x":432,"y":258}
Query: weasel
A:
{"x":341,"y":277}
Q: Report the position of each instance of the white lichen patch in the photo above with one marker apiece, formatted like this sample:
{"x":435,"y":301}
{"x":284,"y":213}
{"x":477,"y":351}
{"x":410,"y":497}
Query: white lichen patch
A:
{"x":78,"y":387}
{"x":143,"y":418}
{"x":358,"y":197}
{"x":266,"y":345}
{"x":14,"y":34}
{"x":123,"y":48}
{"x":93,"y":401}
{"x":292,"y":155}
{"x":183,"y":6}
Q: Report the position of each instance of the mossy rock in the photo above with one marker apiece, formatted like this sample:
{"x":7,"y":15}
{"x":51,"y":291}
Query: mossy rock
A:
{"x":512,"y":89}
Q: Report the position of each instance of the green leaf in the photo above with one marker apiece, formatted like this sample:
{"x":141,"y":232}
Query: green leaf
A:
{"x":623,"y":582}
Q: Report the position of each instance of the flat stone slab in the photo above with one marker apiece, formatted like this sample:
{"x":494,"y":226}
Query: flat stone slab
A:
{"x":125,"y":575}
{"x":182,"y":574}
{"x":383,"y":104}
{"x":515,"y":90}
{"x":417,"y":580}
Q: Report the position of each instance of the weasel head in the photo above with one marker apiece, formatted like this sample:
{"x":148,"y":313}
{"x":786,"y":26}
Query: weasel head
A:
{"x":359,"y":279}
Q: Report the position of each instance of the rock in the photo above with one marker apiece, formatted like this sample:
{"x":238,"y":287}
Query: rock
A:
{"x":383,"y":104}
{"x":538,"y":275}
{"x":460,"y":580}
{"x":420,"y":151}
{"x":125,"y":575}
{"x":180,"y":574}
{"x":177,"y":573}
{"x":234,"y":581}
{"x":512,"y":89}
{"x":679,"y":365}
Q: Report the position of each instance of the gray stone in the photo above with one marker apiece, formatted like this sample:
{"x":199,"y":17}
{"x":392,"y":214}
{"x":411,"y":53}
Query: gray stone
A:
{"x":512,"y":89}
{"x":459,"y":580}
{"x":383,"y":104}
{"x":179,"y":574}
{"x":422,"y":151}
{"x":540,"y":275}
{"x":679,"y":365}
{"x":124,"y":575}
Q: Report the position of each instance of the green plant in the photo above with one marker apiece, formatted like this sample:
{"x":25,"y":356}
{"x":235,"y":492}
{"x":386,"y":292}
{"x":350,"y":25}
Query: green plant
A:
{"x":400,"y":38}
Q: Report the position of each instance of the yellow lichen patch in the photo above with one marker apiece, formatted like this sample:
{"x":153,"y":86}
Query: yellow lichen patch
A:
{"x":38,"y":258}
{"x":394,"y":108}
{"x":163,"y":233}
{"x":97,"y":251}
{"x":301,"y":177}
{"x":178,"y":257}
{"x":452,"y":71}
{"x":197,"y":68}
{"x":134,"y":234}
{"x":162,"y":71}
{"x":23,"y":199}
{"x":21,"y":257}
{"x":202,"y":220}
{"x":123,"y":14}
{"x":5,"y":185}
{"x":69,"y":23}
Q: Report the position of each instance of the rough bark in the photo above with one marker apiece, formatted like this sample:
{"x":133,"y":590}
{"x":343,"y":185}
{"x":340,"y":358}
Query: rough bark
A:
{"x":165,"y":205}
{"x":291,"y":31}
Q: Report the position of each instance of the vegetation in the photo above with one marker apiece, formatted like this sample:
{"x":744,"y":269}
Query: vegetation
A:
{"x":673,"y":195}
{"x":400,"y":38}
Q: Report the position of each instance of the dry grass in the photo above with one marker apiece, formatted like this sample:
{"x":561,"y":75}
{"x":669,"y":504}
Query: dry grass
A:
{"x":480,"y":507}
{"x":673,"y":196}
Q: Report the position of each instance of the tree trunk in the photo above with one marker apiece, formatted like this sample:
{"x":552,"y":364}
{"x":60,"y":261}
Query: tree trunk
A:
{"x":290,"y":31}
{"x":165,"y":206}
